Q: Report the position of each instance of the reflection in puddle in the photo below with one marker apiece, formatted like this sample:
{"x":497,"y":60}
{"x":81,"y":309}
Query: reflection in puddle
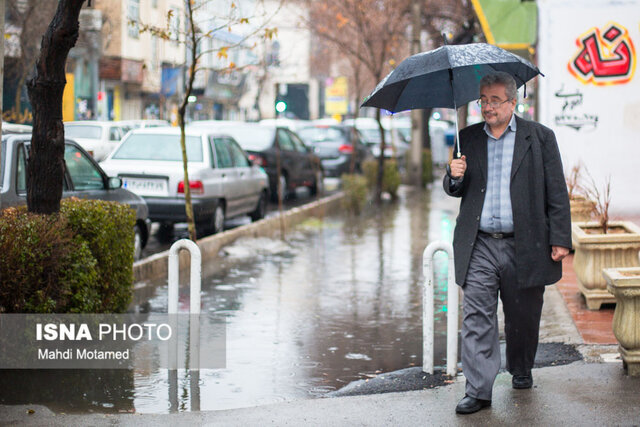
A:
{"x":341,"y":300}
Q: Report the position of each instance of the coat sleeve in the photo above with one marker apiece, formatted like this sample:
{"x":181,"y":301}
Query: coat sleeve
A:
{"x":453,"y":187}
{"x":557,"y":203}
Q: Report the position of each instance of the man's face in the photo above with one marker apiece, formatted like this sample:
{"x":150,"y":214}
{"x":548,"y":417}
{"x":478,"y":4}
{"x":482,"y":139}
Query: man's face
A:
{"x":500,"y":115}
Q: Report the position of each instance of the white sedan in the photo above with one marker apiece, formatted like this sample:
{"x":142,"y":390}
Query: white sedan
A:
{"x":96,"y":137}
{"x":223,"y":182}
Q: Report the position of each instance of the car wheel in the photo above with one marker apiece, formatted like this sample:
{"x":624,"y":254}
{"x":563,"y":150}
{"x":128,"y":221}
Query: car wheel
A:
{"x":318,"y":184}
{"x":217,"y":222}
{"x":261,"y":209}
{"x":137,"y":243}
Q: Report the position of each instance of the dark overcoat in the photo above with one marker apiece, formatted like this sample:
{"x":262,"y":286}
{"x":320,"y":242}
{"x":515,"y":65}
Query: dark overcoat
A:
{"x":539,"y":200}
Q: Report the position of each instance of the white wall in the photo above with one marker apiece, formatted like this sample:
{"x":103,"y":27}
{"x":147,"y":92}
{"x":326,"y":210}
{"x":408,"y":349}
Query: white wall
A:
{"x":597,"y":121}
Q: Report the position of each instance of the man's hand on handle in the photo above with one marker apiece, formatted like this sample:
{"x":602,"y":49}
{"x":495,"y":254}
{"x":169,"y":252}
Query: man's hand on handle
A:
{"x":458,"y":167}
{"x":558,"y":253}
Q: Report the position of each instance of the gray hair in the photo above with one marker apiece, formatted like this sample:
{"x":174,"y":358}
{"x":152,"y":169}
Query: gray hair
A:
{"x":504,"y":79}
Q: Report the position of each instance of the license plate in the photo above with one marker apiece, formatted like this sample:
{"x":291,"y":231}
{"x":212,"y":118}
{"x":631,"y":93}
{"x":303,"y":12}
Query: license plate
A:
{"x":146,"y":186}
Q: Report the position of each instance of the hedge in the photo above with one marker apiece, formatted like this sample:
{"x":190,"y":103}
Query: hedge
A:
{"x":77,"y":261}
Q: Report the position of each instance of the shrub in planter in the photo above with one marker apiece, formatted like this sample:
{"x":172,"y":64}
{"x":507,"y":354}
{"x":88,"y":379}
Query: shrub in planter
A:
{"x":355,"y":192}
{"x":79,"y":260}
{"x":602,"y":244}
{"x":43,"y":267}
{"x":390,"y":175}
{"x":582,"y":207}
{"x":107,"y":229}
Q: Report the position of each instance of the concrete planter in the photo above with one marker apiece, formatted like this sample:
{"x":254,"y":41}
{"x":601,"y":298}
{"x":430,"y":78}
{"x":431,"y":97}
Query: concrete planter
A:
{"x":596,"y":251}
{"x":581,"y":209}
{"x":624,"y":284}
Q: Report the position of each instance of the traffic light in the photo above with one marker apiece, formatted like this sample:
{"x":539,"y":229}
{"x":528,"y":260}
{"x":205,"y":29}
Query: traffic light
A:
{"x":281,"y":107}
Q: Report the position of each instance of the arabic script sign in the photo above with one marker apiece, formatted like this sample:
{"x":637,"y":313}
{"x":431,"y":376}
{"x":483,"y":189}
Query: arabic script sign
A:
{"x":604,"y":57}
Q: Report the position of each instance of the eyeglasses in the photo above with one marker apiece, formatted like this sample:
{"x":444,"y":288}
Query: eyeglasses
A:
{"x":494,"y":104}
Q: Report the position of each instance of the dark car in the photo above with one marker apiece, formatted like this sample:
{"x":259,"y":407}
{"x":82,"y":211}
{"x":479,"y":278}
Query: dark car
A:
{"x":299,"y":165}
{"x":336,"y":145}
{"x":83,"y":178}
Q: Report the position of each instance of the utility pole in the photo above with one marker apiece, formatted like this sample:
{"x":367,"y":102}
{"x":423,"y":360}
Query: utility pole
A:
{"x":415,"y":152}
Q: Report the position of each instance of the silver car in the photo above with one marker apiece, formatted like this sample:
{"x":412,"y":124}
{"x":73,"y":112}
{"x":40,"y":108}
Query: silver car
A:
{"x":223,"y":182}
{"x":83,"y":178}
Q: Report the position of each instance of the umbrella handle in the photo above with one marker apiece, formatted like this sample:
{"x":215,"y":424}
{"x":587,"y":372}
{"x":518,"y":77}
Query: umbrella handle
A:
{"x":456,"y":154}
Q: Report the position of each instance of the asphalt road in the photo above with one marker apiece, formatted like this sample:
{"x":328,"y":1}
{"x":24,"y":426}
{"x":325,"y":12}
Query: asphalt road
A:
{"x":159,"y":242}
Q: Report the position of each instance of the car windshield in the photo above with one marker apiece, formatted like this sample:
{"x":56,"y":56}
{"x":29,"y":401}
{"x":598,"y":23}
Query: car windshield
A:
{"x":159,"y":147}
{"x":321,"y":134}
{"x":83,"y":131}
{"x":251,"y":138}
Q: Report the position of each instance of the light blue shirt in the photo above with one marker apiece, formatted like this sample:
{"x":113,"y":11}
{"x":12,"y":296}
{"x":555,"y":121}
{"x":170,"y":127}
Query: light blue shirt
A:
{"x":497,"y":216}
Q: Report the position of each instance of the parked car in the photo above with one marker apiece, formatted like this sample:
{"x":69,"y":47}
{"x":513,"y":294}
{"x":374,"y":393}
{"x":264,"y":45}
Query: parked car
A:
{"x":83,"y":178}
{"x":128,"y":125}
{"x":336,"y":145}
{"x":299,"y":165}
{"x":13,"y":128}
{"x":223,"y":182}
{"x":97,"y":138}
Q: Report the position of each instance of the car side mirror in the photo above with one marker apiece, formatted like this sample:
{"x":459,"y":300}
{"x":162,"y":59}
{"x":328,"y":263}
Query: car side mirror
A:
{"x":114,"y":182}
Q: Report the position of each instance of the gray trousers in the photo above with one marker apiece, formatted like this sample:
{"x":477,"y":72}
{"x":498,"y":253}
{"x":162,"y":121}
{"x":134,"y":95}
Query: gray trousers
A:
{"x":492,"y":272}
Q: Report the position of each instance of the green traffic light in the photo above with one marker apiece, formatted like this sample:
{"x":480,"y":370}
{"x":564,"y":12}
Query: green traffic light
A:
{"x":281,"y":106}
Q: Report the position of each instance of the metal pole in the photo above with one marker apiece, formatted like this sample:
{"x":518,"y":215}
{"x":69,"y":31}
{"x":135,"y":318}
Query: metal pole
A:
{"x":194,"y":306}
{"x":452,"y":309}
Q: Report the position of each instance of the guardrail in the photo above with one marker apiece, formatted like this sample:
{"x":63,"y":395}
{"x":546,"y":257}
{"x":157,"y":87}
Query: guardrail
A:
{"x":428,"y":309}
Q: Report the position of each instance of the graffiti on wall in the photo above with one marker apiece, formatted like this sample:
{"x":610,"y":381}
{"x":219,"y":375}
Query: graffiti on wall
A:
{"x":604,"y":57}
{"x":572,"y":115}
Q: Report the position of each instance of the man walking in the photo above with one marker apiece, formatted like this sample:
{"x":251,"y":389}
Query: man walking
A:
{"x":512,"y":232}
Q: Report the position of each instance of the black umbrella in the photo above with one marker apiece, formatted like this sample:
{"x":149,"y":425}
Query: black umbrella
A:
{"x":447,"y":77}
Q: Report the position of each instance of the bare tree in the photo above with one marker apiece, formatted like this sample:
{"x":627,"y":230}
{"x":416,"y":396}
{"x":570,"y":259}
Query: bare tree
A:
{"x":45,"y":169}
{"x":193,"y":38}
{"x":30,"y":19}
{"x":372,"y":33}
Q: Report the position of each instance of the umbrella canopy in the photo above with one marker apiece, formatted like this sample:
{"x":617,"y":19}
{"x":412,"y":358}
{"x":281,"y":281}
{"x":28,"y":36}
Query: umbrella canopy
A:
{"x":447,"y":77}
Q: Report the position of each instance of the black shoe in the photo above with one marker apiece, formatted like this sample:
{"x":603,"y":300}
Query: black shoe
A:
{"x":469,"y":405}
{"x":522,"y":381}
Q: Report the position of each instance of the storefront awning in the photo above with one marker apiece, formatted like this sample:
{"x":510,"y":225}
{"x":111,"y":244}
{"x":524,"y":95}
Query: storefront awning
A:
{"x":509,"y":24}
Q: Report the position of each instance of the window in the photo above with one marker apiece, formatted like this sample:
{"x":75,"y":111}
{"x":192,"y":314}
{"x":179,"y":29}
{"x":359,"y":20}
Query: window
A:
{"x":239,"y":158}
{"x":298,"y":143}
{"x":174,"y":24}
{"x":114,"y":134}
{"x":222,"y":153}
{"x":83,"y":173}
{"x":154,"y":53}
{"x":284,"y":141}
{"x":148,"y":146}
{"x":82,"y":131}
{"x":133,"y":18}
{"x":21,"y":178}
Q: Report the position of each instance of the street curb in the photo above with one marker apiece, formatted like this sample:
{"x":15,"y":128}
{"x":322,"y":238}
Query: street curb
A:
{"x":149,"y":272}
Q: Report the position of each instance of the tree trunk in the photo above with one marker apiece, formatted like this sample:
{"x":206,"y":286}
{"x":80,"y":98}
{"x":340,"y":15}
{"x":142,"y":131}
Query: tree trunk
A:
{"x":188,"y":206}
{"x":45,"y":170}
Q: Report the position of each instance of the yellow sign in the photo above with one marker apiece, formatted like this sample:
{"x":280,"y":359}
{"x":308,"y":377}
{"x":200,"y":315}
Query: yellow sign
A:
{"x":335,"y":97}
{"x":68,"y":99}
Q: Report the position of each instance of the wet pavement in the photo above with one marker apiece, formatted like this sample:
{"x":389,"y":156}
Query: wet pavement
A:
{"x":340,"y":300}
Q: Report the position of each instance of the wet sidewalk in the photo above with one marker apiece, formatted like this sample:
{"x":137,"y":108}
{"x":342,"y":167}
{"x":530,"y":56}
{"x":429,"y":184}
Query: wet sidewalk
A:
{"x":585,"y":394}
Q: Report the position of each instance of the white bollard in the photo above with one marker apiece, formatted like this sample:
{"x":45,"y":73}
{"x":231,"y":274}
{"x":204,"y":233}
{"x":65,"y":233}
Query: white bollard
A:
{"x":452,"y":311}
{"x":194,"y":294}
